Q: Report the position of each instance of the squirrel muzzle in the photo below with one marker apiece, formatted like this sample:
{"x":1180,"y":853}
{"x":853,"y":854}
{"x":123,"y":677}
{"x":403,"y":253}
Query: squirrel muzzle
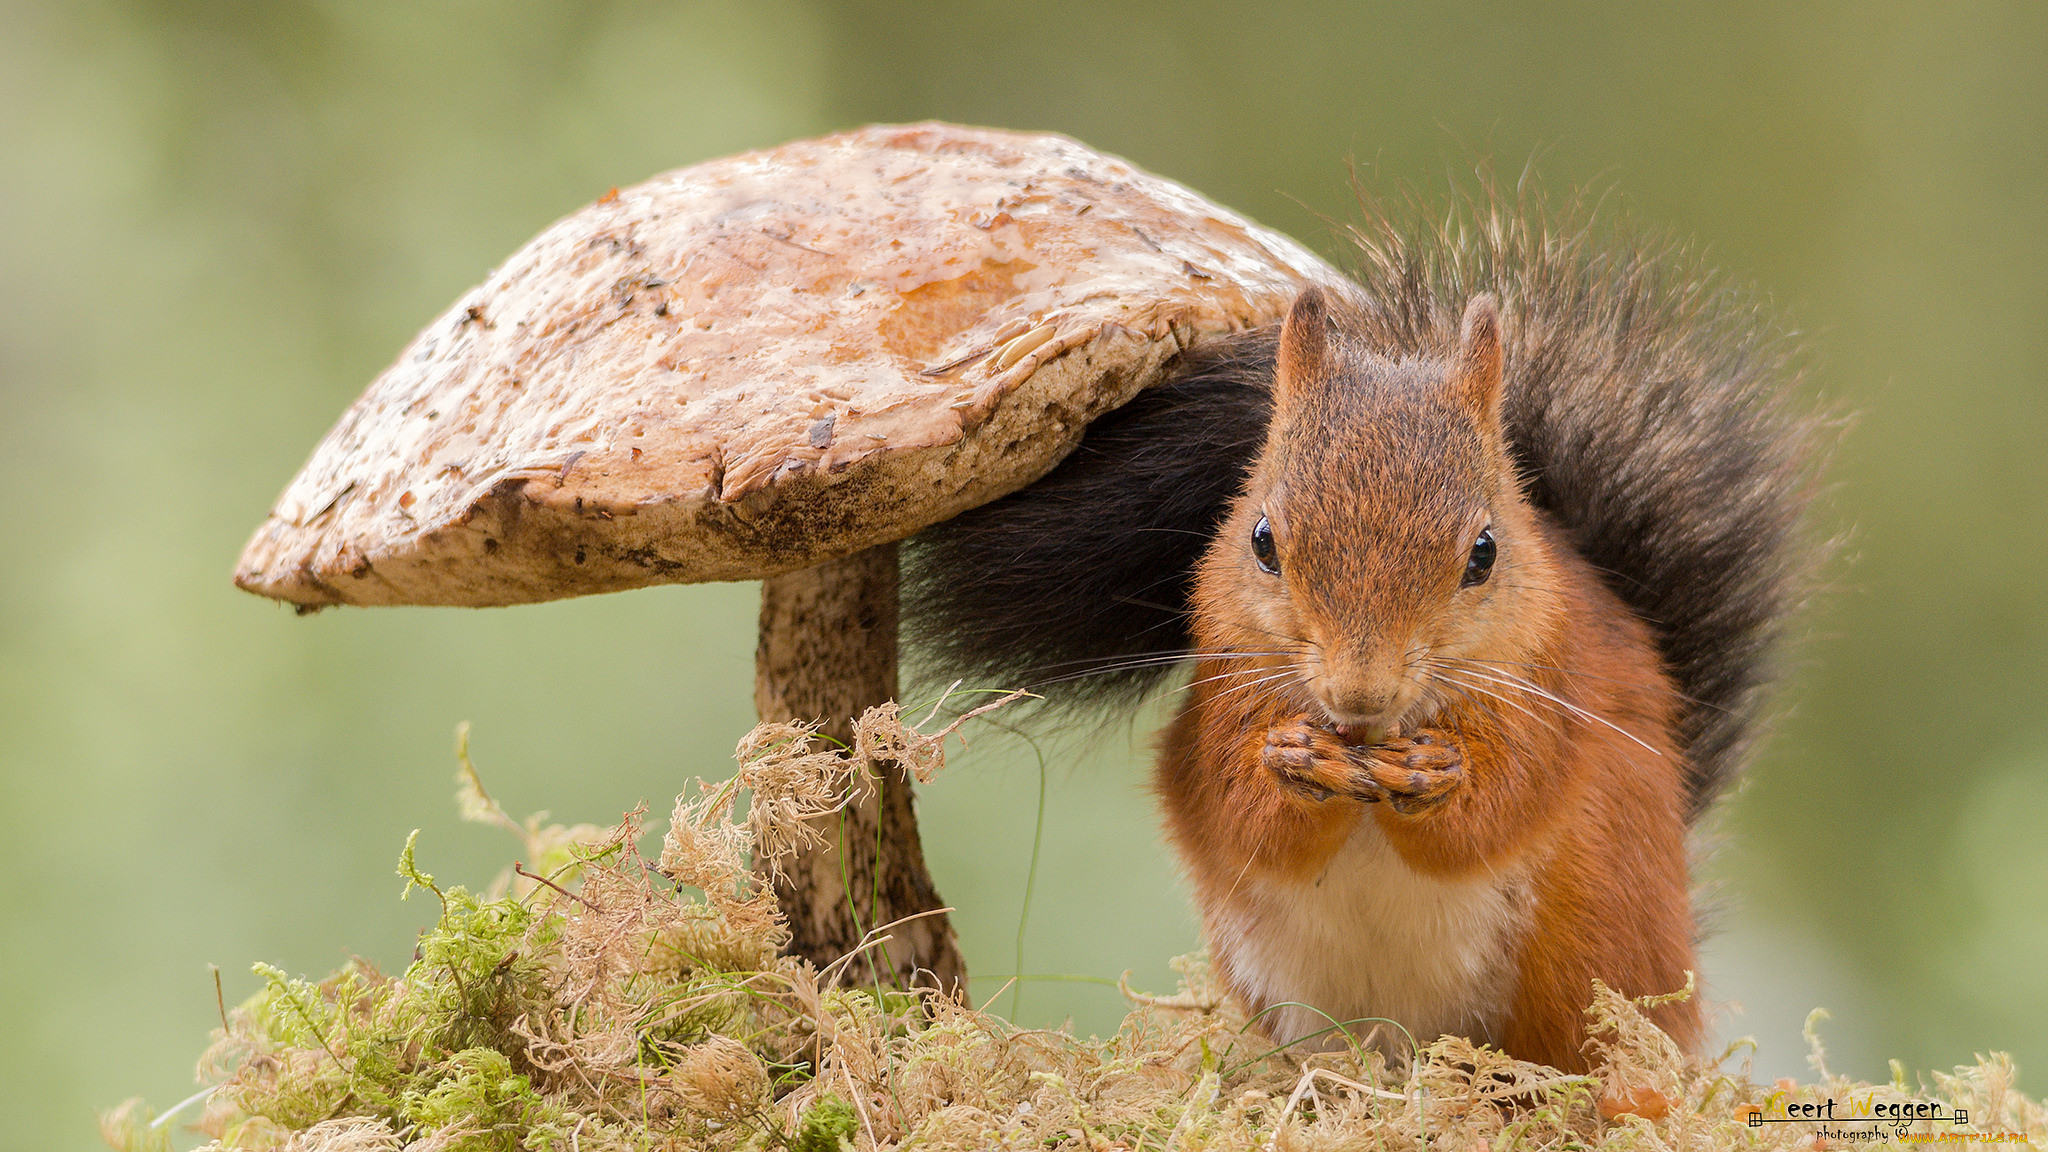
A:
{"x":1365,"y":699}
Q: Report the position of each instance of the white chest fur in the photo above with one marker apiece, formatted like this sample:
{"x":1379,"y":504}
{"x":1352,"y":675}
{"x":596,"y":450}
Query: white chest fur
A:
{"x":1372,"y":937}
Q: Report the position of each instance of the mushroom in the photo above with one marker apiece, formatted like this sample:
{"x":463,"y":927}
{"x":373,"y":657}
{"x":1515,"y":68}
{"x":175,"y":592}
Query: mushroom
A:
{"x":775,"y":366}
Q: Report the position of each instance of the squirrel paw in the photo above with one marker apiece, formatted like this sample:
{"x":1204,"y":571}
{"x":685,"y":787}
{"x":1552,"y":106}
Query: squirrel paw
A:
{"x":1413,"y":772}
{"x":1309,"y":760}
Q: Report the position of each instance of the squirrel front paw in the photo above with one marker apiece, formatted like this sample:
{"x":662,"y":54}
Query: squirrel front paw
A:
{"x":1308,"y":759}
{"x":1412,"y":772}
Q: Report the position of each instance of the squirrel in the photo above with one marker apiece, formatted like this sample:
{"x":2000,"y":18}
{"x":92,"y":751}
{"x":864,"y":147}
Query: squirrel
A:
{"x":1481,"y":568}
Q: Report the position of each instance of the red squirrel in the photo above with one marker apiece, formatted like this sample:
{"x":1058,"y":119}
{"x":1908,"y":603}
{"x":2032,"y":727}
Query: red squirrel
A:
{"x":1397,"y":807}
{"x":1480,"y":602}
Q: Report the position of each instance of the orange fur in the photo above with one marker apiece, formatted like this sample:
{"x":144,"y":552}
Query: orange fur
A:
{"x":1381,"y":821}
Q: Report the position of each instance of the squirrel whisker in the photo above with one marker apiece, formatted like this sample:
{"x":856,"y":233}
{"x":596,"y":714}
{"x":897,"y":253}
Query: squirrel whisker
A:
{"x":1149,"y":662}
{"x":1499,"y":665}
{"x":1291,"y":666}
{"x":1492,"y":695}
{"x":1287,"y":673}
{"x":1561,"y":702}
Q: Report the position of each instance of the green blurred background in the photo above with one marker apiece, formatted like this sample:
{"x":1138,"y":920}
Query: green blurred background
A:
{"x":218,"y":221}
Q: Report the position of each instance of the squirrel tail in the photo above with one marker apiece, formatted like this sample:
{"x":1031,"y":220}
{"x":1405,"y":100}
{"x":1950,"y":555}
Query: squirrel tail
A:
{"x":1648,"y":402}
{"x":1076,"y":588}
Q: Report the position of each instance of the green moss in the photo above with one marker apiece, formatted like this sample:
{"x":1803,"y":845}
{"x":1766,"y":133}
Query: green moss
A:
{"x":479,"y":1094}
{"x":829,"y":1120}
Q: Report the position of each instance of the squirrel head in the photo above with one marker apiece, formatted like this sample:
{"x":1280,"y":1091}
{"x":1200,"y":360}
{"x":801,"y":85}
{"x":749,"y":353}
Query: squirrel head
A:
{"x":1382,"y":530}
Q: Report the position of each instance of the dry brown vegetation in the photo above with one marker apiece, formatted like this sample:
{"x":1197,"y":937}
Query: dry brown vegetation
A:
{"x":599,"y":1001}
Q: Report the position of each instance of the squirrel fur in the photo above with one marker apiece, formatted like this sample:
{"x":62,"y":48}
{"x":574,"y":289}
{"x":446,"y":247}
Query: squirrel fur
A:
{"x":1480,"y":569}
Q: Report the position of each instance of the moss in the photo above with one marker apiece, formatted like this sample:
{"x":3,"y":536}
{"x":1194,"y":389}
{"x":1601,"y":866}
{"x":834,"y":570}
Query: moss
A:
{"x":610,"y":1003}
{"x":828,"y":1121}
{"x":478,"y":1095}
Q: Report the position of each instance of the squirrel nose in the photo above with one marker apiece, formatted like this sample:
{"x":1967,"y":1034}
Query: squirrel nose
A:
{"x":1363,"y":703}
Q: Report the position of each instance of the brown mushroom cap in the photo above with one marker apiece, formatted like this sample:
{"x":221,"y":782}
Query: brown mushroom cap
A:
{"x":764,"y":362}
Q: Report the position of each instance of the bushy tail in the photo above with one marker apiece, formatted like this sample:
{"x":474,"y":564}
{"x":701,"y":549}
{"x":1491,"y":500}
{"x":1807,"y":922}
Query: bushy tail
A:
{"x":1077,"y":586}
{"x":1648,"y":402}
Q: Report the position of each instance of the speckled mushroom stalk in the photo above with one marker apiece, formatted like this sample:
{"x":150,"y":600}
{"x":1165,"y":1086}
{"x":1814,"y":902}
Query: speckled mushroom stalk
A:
{"x":775,"y":366}
{"x":828,"y":649}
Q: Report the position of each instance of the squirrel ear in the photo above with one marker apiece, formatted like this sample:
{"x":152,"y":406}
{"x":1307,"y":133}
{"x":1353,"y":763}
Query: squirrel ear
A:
{"x":1475,"y":377}
{"x":1304,"y":343}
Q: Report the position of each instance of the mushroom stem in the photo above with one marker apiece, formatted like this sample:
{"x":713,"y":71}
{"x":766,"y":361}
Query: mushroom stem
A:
{"x":828,"y":651}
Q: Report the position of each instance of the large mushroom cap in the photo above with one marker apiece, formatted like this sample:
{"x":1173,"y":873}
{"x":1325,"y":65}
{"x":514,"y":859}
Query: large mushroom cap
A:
{"x":763,"y":362}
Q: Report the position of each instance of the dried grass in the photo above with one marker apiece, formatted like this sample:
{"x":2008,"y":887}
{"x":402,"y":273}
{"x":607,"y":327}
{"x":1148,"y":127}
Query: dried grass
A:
{"x":600,"y":1002}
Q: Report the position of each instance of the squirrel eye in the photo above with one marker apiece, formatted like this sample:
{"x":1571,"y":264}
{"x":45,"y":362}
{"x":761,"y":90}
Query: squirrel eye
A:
{"x":1264,"y":550}
{"x":1480,"y":564}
